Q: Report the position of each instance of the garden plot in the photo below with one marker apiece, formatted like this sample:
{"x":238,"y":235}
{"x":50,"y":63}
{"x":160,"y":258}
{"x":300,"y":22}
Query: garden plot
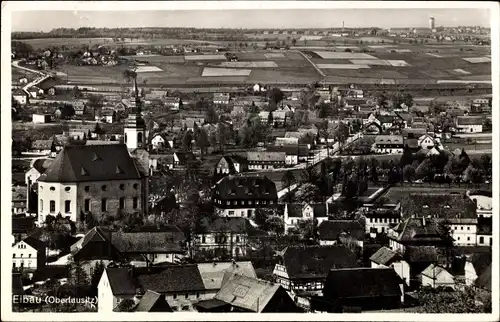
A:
{"x":249,"y":64}
{"x":205,"y":57}
{"x":343,"y":55}
{"x":148,"y":69}
{"x":475,"y":60}
{"x":376,"y":62}
{"x":211,"y":72}
{"x":398,"y":63}
{"x":434,"y":55}
{"x":342,"y":66}
{"x":311,"y":38}
{"x":274,"y":55}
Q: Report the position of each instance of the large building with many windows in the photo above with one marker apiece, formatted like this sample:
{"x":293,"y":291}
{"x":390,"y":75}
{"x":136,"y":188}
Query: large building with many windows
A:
{"x":91,"y":179}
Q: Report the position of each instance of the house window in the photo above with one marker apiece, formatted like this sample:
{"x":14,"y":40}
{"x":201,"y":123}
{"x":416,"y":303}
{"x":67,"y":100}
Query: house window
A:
{"x":87,"y":188}
{"x":13,"y":255}
{"x":468,"y":238}
{"x":458,"y":238}
{"x":52,"y":206}
{"x":104,"y":188}
{"x":461,"y":227}
{"x":41,"y":204}
{"x":104,"y":204}
{"x":29,"y":255}
{"x":87,"y":205}
{"x":122,"y":187}
{"x":198,"y":295}
{"x":134,"y":203}
{"x":468,"y":228}
{"x":122,"y":203}
{"x":481,"y":240}
{"x":175,"y":296}
{"x":67,"y":189}
{"x":231,"y":213}
{"x":203,"y":239}
{"x":67,"y":206}
{"x":237,"y":239}
{"x":186,"y":296}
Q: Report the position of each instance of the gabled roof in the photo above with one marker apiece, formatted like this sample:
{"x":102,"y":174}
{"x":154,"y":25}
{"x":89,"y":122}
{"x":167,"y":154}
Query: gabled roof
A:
{"x":121,"y":281}
{"x":316,"y":261}
{"x":153,"y":302}
{"x":247,"y":293}
{"x":385,"y":256}
{"x":48,"y":83}
{"x":245,"y":187}
{"x":81,"y":163}
{"x":419,"y":254}
{"x":300,"y":150}
{"x":148,"y":242}
{"x":22,"y":225}
{"x":35,"y":243}
{"x":213,"y":274}
{"x":185,"y":156}
{"x":469,"y":120}
{"x":425,"y":230}
{"x":178,"y":278}
{"x":362,"y":283}
{"x":432,"y":271}
{"x":333,"y":229}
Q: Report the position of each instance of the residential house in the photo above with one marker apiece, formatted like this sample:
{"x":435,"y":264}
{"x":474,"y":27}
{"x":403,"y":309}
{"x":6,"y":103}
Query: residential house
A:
{"x":475,"y":266}
{"x":381,"y":220}
{"x":48,"y":86}
{"x":305,"y":268}
{"x":182,"y":158}
{"x":417,"y":232}
{"x":332,"y":231}
{"x":221,"y":98}
{"x":414,"y":132}
{"x":279,"y":118}
{"x":388,"y":144}
{"x":455,"y":210}
{"x":484,"y":231}
{"x":480,"y":105}
{"x":174,"y":103}
{"x":35,"y":92}
{"x":106,"y":116}
{"x":419,"y":258}
{"x":362,"y":288}
{"x":28,"y":255}
{"x":115,"y":286}
{"x":19,"y":200}
{"x":240,"y":196}
{"x":261,"y":160}
{"x":162,"y":141}
{"x":426,"y":142}
{"x":20,"y":96}
{"x":80,"y":107}
{"x":41,"y":118}
{"x":43,"y":147}
{"x":387,"y":258}
{"x":293,"y":153}
{"x":469,"y":124}
{"x":190,"y":124}
{"x":231,"y":164}
{"x":216,"y":274}
{"x":294,"y":213}
{"x":152,"y":302}
{"x":141,"y":248}
{"x":246,"y":294}
{"x":92,"y":179}
{"x":224,"y":237}
{"x":436,"y":276}
{"x":181,"y":285}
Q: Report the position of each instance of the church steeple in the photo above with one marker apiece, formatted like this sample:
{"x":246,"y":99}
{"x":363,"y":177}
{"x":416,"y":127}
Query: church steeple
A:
{"x":135,"y":127}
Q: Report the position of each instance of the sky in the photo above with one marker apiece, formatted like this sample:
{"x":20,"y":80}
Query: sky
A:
{"x":249,"y":18}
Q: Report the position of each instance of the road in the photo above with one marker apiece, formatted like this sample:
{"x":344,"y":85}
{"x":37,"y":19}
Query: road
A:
{"x":311,"y":62}
{"x":38,"y":80}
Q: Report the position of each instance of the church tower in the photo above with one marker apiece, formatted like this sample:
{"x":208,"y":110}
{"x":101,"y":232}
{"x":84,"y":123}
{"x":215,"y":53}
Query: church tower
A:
{"x":135,"y":127}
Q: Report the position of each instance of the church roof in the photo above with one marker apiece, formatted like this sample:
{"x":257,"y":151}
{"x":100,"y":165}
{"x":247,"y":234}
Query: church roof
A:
{"x":91,"y":163}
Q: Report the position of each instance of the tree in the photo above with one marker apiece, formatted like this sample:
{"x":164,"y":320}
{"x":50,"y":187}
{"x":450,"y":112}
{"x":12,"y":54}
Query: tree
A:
{"x":294,"y":41}
{"x":78,"y":277}
{"x":275,"y":95}
{"x":382,"y":101}
{"x":76,"y":92}
{"x":129,"y":76}
{"x":210,"y":115}
{"x":67,"y":111}
{"x":454,"y":301}
{"x":424,"y":171}
{"x":308,"y":192}
{"x":406,"y":158}
{"x":270,"y":119}
{"x":308,"y":228}
{"x":409,"y":173}
{"x":125,"y":305}
{"x":96,"y":277}
{"x":288,"y":180}
{"x":187,"y":140}
{"x":95,"y":102}
{"x":223,"y":134}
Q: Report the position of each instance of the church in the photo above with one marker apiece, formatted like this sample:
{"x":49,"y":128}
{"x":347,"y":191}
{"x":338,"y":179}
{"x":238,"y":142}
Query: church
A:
{"x":98,"y":179}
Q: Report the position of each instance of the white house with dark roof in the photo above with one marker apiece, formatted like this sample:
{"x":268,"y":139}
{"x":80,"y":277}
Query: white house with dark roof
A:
{"x":91,"y":179}
{"x":260,"y":160}
{"x":240,"y":196}
{"x":231,"y":164}
{"x":294,"y":213}
{"x":426,"y":142}
{"x":437,"y":276}
{"x":332,"y":231}
{"x":115,"y":286}
{"x":386,"y":257}
{"x":28,"y":255}
{"x":469,"y":124}
{"x":388,"y":144}
{"x":20,"y":96}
